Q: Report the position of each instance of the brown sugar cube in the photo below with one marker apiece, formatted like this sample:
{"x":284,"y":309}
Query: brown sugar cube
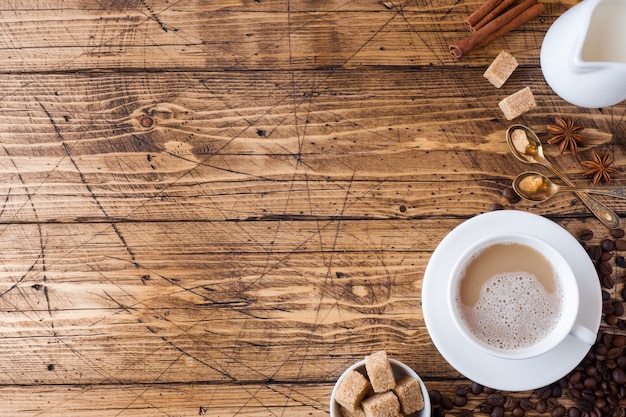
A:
{"x":382,"y":405}
{"x":353,"y":388}
{"x":379,"y":372}
{"x":518,"y":103}
{"x":347,"y":413}
{"x":501,"y":69}
{"x":409,"y":393}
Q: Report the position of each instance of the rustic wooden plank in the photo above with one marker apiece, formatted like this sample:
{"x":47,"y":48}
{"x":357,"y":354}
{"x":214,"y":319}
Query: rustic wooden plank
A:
{"x":343,"y":149}
{"x":235,"y":35}
{"x":189,"y":302}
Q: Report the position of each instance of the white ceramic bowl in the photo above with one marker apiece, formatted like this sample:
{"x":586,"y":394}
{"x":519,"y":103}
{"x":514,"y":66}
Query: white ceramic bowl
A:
{"x":399,"y":370}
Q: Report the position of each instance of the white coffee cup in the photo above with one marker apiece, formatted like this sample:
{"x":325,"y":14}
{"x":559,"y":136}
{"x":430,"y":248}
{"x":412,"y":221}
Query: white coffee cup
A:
{"x":525,"y":312}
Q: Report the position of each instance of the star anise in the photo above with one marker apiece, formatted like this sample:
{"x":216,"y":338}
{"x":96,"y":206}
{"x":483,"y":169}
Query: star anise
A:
{"x":600,"y":168}
{"x":566,"y":134}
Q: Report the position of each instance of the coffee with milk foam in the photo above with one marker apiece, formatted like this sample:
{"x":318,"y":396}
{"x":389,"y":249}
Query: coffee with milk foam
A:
{"x":509,"y":296}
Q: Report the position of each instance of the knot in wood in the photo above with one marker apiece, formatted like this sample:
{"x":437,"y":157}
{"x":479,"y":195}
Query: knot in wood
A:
{"x":146,"y":121}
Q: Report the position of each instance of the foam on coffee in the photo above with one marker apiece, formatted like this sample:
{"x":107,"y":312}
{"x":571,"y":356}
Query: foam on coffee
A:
{"x":512,"y":298}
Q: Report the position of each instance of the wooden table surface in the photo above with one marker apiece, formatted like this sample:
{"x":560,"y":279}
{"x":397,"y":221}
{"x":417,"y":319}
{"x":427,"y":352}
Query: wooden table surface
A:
{"x":215,"y":207}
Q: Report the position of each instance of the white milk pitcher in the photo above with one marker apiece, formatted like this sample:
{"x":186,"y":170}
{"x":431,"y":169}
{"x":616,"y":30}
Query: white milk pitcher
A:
{"x":583,"y":55}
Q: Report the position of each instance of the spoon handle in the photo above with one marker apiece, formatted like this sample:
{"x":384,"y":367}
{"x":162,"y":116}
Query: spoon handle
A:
{"x":602,"y":212}
{"x":617,"y":192}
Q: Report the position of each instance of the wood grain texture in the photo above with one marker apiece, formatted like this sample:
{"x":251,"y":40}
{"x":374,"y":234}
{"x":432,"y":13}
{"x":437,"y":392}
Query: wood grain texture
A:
{"x":214,"y":208}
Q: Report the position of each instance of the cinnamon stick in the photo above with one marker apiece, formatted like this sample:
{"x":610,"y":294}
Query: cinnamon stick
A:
{"x":481,"y":12}
{"x":512,"y":19}
{"x":497,"y":11}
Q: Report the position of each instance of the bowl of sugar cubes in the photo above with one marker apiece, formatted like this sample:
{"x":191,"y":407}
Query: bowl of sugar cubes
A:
{"x":379,"y":386}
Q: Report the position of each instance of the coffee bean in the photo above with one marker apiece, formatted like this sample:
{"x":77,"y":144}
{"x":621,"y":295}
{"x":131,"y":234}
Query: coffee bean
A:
{"x":495,"y":399}
{"x":544,"y":393}
{"x":556,"y":391}
{"x":460,"y":400}
{"x":496,"y":207}
{"x":607,"y":245}
{"x":585,"y":235}
{"x":541,"y":406}
{"x":439,"y":412}
{"x":510,"y":402}
{"x":618,"y":233}
{"x":605,"y":268}
{"x":589,"y":382}
{"x":619,"y":340}
{"x":447,"y":403}
{"x":518,"y":412}
{"x":607,"y":281}
{"x":574,"y":394}
{"x":613,"y":353}
{"x":526,"y":404}
{"x":606,"y":256}
{"x":618,"y":308}
{"x":575,"y":377}
{"x":574,"y":412}
{"x":586,"y":406}
{"x":497,"y":411}
{"x":466,"y":413}
{"x":435,"y":396}
{"x":595,"y":252}
{"x":620,"y":244}
{"x":611,"y":320}
{"x":476,"y":388}
{"x":558,"y":411}
{"x":510,"y":194}
{"x":620,"y":261}
{"x":462,"y":389}
{"x":618,"y":375}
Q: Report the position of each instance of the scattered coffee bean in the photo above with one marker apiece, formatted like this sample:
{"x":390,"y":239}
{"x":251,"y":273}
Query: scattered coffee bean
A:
{"x":620,"y":244}
{"x":619,"y":376}
{"x":447,"y":403}
{"x":574,"y":412}
{"x":462,"y":389}
{"x":460,"y":401}
{"x":618,"y":233}
{"x":607,"y":281}
{"x":595,"y":252}
{"x":496,"y":207}
{"x":497,"y":411}
{"x":496,"y":399}
{"x":558,"y":411}
{"x":605,"y":268}
{"x":435,"y":396}
{"x":510,"y":402}
{"x":518,"y":412}
{"x":541,"y":406}
{"x":618,"y":308}
{"x":476,"y":388}
{"x":620,"y":261}
{"x":607,"y":245}
{"x":510,"y":194}
{"x":585,"y":235}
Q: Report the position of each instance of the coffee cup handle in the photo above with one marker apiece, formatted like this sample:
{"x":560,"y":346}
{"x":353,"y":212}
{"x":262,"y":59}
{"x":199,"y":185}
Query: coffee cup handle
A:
{"x":583,"y":334}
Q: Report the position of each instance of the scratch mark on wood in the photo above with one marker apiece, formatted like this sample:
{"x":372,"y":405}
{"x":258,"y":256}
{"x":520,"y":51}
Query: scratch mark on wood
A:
{"x":83,"y":180}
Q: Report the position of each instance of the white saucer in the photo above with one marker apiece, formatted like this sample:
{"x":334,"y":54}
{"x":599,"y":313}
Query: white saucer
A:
{"x":476,"y":365}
